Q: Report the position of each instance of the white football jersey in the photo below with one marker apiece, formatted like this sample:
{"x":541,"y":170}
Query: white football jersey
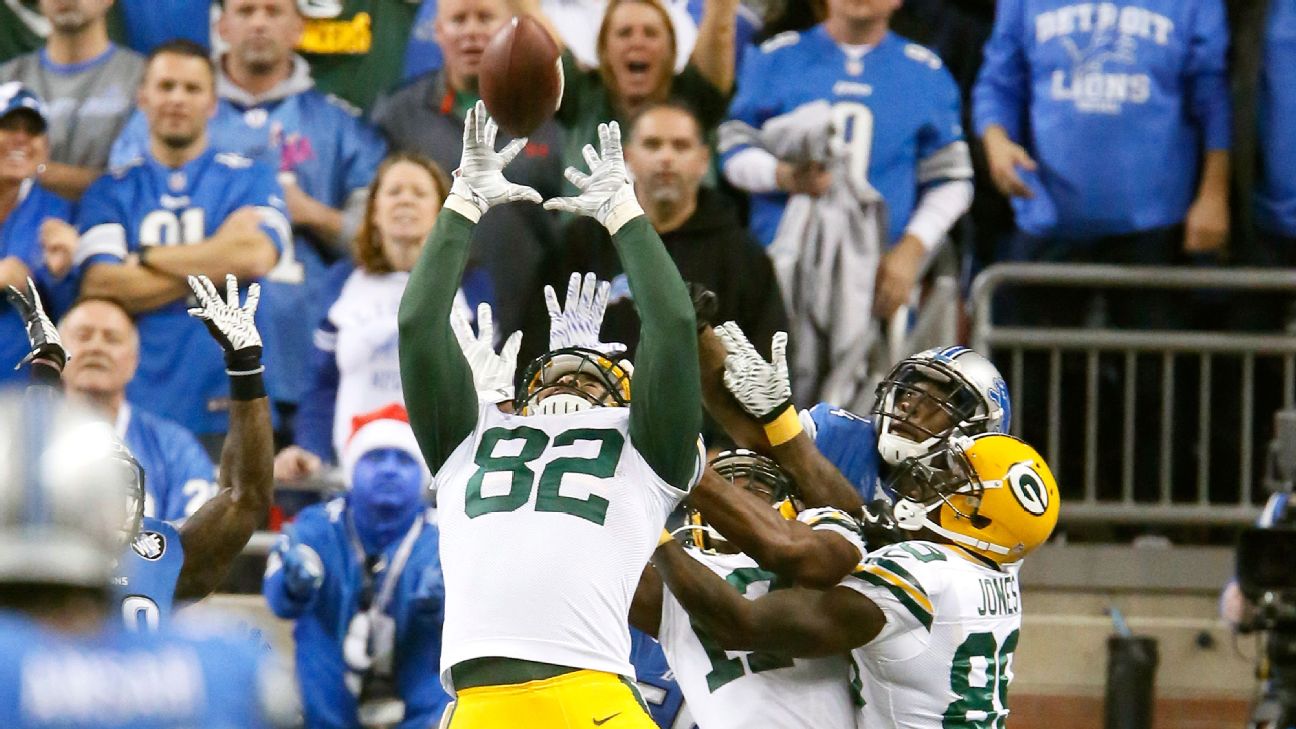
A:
{"x":546,"y":524}
{"x":751,"y":689}
{"x":945,"y":656}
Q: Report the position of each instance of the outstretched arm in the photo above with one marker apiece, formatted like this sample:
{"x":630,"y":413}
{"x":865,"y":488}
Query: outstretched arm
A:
{"x":47,"y":355}
{"x":765,"y":392}
{"x":795,"y":622}
{"x":665,"y":411}
{"x":438,"y":383}
{"x":219,"y":530}
{"x":817,"y":558}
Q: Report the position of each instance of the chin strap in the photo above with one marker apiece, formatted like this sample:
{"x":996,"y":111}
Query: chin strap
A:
{"x":561,"y":403}
{"x":965,"y":540}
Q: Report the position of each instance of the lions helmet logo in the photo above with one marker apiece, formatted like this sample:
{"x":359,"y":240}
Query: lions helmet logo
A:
{"x":149,"y":545}
{"x":1028,"y":488}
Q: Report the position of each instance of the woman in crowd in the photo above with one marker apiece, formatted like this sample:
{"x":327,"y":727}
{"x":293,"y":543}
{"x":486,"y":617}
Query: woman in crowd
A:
{"x":36,"y":239}
{"x":636,"y":51}
{"x":355,"y":367}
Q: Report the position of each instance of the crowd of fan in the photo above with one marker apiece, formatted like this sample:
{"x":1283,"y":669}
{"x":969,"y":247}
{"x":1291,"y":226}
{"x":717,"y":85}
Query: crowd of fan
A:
{"x":804,"y":163}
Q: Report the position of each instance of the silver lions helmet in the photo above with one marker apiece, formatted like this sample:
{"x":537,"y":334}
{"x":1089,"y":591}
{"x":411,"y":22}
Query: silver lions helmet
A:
{"x":935,"y":394}
{"x":71,"y":494}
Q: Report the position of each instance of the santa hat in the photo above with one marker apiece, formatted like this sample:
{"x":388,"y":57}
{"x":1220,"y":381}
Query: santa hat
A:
{"x":386,"y":427}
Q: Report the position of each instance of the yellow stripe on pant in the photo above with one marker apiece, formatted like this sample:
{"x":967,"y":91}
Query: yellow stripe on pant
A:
{"x":578,"y":700}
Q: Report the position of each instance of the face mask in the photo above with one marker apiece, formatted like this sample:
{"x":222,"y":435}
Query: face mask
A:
{"x":386,"y":496}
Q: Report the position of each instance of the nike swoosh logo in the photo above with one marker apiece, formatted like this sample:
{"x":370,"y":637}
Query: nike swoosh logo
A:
{"x":606,"y":719}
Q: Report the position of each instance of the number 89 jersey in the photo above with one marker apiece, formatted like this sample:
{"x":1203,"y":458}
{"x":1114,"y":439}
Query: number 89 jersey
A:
{"x":546,"y":524}
{"x":944,"y":658}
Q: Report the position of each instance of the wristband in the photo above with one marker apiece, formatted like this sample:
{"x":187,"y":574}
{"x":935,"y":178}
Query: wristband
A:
{"x":784,"y":427}
{"x":664,"y":538}
{"x":247,"y":385}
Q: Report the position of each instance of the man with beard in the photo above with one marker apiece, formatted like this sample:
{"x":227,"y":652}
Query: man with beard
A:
{"x":87,"y":82}
{"x":182,"y":208}
{"x":427,"y":117}
{"x":324,"y":153}
{"x":668,"y":157}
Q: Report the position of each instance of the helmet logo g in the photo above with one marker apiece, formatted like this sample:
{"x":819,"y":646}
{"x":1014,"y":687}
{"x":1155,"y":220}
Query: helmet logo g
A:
{"x":1028,"y":488}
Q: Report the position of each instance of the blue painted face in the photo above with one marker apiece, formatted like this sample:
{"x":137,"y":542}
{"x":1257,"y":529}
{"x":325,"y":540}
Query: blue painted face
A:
{"x":386,"y":495}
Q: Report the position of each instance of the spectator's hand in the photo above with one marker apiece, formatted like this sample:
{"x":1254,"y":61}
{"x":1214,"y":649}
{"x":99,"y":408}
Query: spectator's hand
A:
{"x":802,"y":178}
{"x":480,"y":177}
{"x":1206,"y":226}
{"x":303,"y":570}
{"x":13,"y":272}
{"x":429,"y":591}
{"x":294,"y":464}
{"x":58,"y":242}
{"x":231,"y":325}
{"x":1233,"y":606}
{"x":579,"y":324}
{"x":1004,"y":156}
{"x":492,"y":373}
{"x":762,"y":388}
{"x":606,"y":193}
{"x":896,"y":275}
{"x":42,"y":335}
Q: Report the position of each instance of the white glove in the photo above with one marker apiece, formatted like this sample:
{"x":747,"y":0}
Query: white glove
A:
{"x":42,"y":335}
{"x":607,"y":194}
{"x":480,"y":177}
{"x":762,"y":388}
{"x":492,"y":373}
{"x":579,"y":324}
{"x":233,"y":326}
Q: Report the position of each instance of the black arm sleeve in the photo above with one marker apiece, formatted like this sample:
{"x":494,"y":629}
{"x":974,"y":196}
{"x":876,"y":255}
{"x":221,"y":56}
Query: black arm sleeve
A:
{"x":666,"y":392}
{"x":439,"y":391}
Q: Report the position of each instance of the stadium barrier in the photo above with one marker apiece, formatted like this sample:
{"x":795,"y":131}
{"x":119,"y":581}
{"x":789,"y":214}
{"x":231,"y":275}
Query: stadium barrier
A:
{"x":1210,"y":496}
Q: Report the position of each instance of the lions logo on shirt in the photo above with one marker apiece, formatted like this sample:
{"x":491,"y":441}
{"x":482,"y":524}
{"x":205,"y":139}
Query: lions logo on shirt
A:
{"x":149,"y":545}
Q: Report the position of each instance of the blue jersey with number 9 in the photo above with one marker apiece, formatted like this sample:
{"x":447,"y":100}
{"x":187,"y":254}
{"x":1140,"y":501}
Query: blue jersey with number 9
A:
{"x":895,"y":111}
{"x":147,"y":575}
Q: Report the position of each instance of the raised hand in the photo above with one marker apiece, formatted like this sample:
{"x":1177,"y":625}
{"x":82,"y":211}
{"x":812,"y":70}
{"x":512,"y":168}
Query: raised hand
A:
{"x":579,"y":323}
{"x":762,"y":388}
{"x":231,"y":325}
{"x":606,"y":193}
{"x":480,"y":177}
{"x":42,"y":335}
{"x":492,"y":373}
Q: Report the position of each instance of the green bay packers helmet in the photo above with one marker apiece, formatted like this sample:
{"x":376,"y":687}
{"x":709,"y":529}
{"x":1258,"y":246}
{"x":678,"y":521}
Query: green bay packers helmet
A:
{"x":752,"y":471}
{"x":990,"y":493}
{"x":545,"y":395}
{"x":71,"y":493}
{"x":934,"y":394}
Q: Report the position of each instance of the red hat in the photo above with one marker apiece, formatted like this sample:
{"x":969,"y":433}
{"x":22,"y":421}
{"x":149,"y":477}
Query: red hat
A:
{"x":386,"y":427}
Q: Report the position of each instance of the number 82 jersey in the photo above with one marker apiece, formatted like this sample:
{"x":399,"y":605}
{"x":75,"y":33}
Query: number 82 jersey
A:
{"x":546,"y":524}
{"x":944,"y":658}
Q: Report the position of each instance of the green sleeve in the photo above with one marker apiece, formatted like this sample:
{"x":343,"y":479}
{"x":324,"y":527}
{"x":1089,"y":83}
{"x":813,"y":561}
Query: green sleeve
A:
{"x":439,"y":391}
{"x":666,"y":390}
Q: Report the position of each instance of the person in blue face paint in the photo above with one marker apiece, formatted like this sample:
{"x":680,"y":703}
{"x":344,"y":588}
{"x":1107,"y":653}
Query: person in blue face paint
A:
{"x":361,"y":577}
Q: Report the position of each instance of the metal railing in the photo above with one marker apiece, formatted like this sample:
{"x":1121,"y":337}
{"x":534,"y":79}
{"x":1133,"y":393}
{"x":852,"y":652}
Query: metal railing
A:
{"x":1087,"y":349}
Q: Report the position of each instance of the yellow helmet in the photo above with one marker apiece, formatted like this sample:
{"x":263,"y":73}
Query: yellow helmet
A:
{"x":544,"y":372}
{"x":992,"y":494}
{"x":758,"y":474}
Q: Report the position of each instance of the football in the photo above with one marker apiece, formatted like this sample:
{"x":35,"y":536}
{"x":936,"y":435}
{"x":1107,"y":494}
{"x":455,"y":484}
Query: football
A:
{"x":520,"y":77}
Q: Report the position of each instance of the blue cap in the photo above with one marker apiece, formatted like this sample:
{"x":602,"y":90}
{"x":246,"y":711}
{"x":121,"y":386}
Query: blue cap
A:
{"x":16,"y":97}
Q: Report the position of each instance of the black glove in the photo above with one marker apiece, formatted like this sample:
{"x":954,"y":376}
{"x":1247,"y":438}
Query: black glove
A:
{"x":705,"y":304}
{"x":879,"y":525}
{"x":41,"y":332}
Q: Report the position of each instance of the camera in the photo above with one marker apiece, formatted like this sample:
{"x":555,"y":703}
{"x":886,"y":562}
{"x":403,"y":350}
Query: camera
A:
{"x":1266,"y":574}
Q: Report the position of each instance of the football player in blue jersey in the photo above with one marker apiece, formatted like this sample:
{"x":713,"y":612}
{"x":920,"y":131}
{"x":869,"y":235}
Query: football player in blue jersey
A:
{"x":360,"y":576}
{"x":70,"y":500}
{"x":164,"y":563}
{"x":182,"y":208}
{"x":325,"y":156}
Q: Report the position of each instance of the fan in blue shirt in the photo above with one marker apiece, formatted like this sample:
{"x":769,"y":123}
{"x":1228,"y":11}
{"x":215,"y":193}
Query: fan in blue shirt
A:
{"x":178,"y":210}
